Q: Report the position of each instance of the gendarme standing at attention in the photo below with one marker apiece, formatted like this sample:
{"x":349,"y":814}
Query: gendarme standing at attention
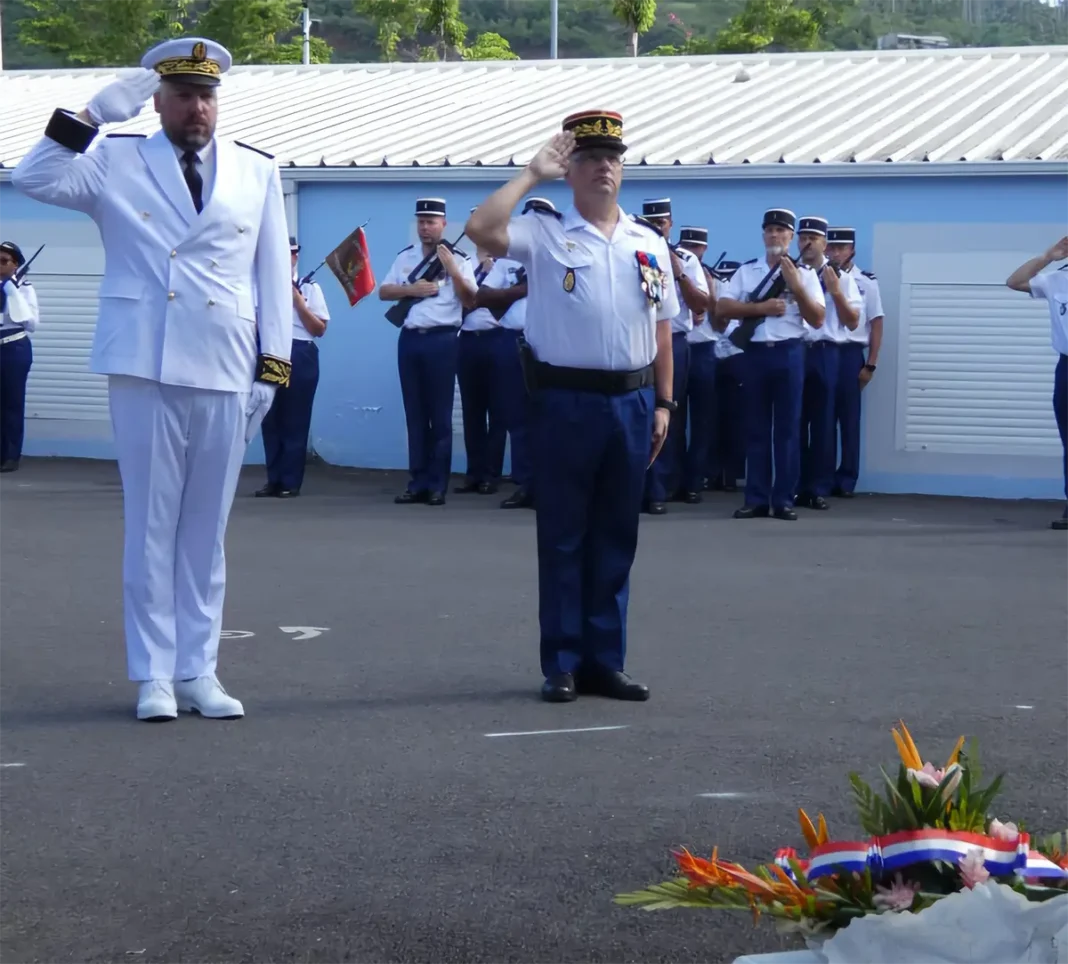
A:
{"x":194,"y":231}
{"x":598,"y":362}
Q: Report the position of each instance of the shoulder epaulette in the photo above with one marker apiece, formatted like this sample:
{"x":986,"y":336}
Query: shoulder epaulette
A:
{"x":869,"y":274}
{"x":125,"y":135}
{"x":750,"y":261}
{"x":684,"y":254}
{"x":805,"y":267}
{"x":25,"y":283}
{"x":409,"y":248}
{"x":642,"y":222}
{"x":550,"y":212}
{"x":461,"y":253}
{"x":255,"y":150}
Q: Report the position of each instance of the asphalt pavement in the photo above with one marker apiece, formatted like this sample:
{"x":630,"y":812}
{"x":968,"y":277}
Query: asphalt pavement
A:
{"x":367,"y":807}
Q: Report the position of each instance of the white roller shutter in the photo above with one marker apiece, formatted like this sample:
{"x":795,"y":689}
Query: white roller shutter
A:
{"x":978,"y":366}
{"x":60,"y":383}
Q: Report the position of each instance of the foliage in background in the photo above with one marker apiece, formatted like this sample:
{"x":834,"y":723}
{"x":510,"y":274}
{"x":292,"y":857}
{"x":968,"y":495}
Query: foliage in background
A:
{"x":490,"y":46}
{"x":638,"y":16}
{"x":782,"y":25}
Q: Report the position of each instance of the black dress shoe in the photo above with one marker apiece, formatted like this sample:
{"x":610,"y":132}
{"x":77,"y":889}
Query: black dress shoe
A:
{"x":520,"y":499}
{"x":269,"y":491}
{"x":410,"y":498}
{"x":1061,"y":523}
{"x":786,"y":514}
{"x":288,"y":493}
{"x":692,"y":498}
{"x":657,"y":508}
{"x":467,"y":488}
{"x":487,"y":488}
{"x":751,"y":512}
{"x":10,"y":465}
{"x":616,"y":686}
{"x":436,"y":498}
{"x":819,"y":502}
{"x":842,"y":494}
{"x":559,"y":689}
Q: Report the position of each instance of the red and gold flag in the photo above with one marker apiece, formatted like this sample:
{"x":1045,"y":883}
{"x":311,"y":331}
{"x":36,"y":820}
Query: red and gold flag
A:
{"x":351,"y":263}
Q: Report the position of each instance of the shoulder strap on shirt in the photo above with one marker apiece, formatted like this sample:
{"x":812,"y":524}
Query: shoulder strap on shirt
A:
{"x":255,"y":150}
{"x":750,"y":261}
{"x":869,"y":274}
{"x":639,"y":220}
{"x":124,"y":135}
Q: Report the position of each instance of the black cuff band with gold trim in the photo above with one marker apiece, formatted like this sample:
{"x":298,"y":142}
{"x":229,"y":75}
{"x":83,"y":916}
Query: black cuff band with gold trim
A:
{"x":274,"y":371}
{"x":69,"y":132}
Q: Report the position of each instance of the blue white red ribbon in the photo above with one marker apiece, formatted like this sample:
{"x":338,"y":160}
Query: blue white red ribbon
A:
{"x":894,"y":851}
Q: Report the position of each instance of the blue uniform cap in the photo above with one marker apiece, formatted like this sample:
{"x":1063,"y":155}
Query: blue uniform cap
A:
{"x":15,"y":251}
{"x":812,"y":226}
{"x":431,"y":207}
{"x":658,"y":208}
{"x":841,"y":236}
{"x":189,"y":60}
{"x":694,"y":235}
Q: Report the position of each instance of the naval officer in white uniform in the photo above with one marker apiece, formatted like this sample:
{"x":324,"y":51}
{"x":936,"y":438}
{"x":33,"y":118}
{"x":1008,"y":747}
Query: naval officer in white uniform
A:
{"x":194,"y":230}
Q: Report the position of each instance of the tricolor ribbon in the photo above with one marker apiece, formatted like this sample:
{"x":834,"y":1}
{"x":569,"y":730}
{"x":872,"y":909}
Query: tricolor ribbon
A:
{"x":908,"y":847}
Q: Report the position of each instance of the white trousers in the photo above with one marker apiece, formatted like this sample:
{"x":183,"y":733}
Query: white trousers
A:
{"x":180,"y":453}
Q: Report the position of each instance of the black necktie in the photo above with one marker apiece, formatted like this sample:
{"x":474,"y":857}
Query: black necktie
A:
{"x":193,"y":179}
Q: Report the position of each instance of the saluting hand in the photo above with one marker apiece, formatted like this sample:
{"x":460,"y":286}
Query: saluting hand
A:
{"x":1059,"y":251}
{"x":123,"y":98}
{"x":551,"y":161}
{"x":661,"y":421}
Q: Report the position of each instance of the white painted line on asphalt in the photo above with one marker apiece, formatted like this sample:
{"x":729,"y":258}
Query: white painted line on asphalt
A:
{"x":725,"y":795}
{"x":12,"y":764}
{"x":1024,"y":706}
{"x":583,"y":729}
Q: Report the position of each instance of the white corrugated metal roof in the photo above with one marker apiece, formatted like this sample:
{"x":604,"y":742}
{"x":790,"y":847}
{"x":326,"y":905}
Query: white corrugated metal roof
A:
{"x":972,"y":104}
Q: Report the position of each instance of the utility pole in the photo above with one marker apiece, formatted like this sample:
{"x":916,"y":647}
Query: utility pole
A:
{"x":305,"y":18}
{"x":554,"y":28}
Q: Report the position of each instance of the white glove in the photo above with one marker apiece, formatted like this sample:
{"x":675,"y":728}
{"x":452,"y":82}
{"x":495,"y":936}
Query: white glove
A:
{"x":259,"y":404}
{"x":123,"y":98}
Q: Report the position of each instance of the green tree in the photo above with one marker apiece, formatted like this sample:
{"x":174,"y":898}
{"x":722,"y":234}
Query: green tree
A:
{"x":292,"y":52}
{"x":395,"y":21}
{"x":490,"y":46}
{"x":441,"y":19}
{"x":100,"y":33}
{"x":782,"y":25}
{"x":249,"y":29}
{"x":637,"y":16}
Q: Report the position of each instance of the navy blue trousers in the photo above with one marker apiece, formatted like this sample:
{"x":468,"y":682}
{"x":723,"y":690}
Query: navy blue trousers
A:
{"x":484,"y":431}
{"x":1060,"y":411}
{"x":701,"y":411}
{"x":728,"y":460}
{"x":16,"y":358}
{"x":819,"y":443}
{"x":590,"y":454}
{"x":426,"y":359}
{"x":847,"y":412}
{"x":514,"y":404}
{"x":665,"y":475}
{"x":287,"y":425}
{"x":774,"y":381}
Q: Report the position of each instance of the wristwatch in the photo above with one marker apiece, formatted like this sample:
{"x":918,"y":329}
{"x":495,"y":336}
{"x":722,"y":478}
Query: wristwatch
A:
{"x":668,"y":404}
{"x":869,"y":368}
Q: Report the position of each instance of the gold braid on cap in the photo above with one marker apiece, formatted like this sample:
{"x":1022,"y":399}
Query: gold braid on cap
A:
{"x":274,"y":371}
{"x":187,"y":65}
{"x":602,"y":127}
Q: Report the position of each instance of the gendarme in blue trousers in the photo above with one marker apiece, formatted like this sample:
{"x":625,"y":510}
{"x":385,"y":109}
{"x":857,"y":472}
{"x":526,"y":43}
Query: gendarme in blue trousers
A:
{"x":774,"y":379}
{"x":664,"y":476}
{"x":287,"y":425}
{"x":426,"y":359}
{"x":818,"y":440}
{"x":590,"y":453}
{"x":16,"y":359}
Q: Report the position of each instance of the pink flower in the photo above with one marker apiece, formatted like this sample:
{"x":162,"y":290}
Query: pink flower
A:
{"x":898,"y":896}
{"x":1004,"y":831}
{"x":972,"y":868}
{"x":927,"y":777}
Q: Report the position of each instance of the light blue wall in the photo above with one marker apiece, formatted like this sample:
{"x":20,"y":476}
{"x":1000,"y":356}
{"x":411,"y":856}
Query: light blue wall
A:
{"x":359,"y":418}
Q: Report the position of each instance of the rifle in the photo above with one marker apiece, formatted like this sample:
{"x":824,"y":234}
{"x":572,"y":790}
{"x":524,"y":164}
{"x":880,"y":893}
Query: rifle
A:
{"x":772,"y":285}
{"x":520,"y":279}
{"x":19,"y":274}
{"x":429,"y":269}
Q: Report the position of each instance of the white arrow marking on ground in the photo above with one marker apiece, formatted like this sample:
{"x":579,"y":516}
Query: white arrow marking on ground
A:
{"x":12,"y":764}
{"x":306,"y":632}
{"x":236,"y":634}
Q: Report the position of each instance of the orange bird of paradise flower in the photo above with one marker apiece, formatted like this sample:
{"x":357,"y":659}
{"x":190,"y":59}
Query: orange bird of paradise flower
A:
{"x":910,"y":755}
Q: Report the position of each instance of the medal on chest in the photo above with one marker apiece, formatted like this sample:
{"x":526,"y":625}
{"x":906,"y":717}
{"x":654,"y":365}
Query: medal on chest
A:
{"x":652,"y":277}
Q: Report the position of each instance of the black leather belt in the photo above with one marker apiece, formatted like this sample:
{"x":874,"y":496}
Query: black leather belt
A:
{"x":590,"y":379}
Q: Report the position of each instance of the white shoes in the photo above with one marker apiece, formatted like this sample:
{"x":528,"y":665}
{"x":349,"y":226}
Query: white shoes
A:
{"x":160,"y":700}
{"x":155,"y":701}
{"x":205,"y":695}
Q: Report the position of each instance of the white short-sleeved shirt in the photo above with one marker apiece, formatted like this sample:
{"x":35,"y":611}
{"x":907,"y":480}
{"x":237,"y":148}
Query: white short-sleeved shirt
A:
{"x":20,"y":308}
{"x":873,"y":305}
{"x":585,"y":303}
{"x":506,"y":274}
{"x":444,"y":310}
{"x":691,"y":267}
{"x":704,"y":332}
{"x":480,"y":319}
{"x":313,"y":295}
{"x":1053,"y":286}
{"x":832,"y":328}
{"x":775,"y":327}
